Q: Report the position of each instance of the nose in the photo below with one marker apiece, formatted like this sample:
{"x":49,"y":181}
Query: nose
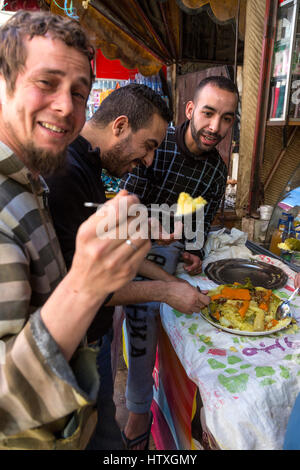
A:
{"x":148,"y":159}
{"x":63,"y":102}
{"x":214,"y":124}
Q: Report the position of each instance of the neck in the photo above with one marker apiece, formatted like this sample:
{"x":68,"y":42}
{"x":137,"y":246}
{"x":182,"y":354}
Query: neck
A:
{"x":96,"y":136}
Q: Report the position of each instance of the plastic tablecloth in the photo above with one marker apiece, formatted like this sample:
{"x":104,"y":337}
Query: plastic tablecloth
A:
{"x":248,"y":384}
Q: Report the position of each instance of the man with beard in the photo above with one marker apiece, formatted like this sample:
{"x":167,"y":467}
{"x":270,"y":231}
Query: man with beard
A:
{"x":124,"y":132}
{"x":48,"y":378}
{"x":186,"y":161}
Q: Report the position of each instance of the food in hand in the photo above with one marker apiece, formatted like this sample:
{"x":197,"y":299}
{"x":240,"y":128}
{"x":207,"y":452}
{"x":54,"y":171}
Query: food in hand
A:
{"x":245,"y":308}
{"x":186,"y":204}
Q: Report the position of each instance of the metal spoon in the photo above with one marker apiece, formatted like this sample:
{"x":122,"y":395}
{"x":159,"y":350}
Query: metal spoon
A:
{"x":283,"y":310}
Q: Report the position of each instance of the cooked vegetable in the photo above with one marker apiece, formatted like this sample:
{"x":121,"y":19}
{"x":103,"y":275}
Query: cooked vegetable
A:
{"x":235,"y":294}
{"x":259,"y":322}
{"x":244,"y":307}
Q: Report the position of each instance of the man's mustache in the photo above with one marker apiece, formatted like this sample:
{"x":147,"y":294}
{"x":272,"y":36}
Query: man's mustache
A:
{"x":215,"y":135}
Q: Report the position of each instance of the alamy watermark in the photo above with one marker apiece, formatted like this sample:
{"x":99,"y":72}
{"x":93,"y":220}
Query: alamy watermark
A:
{"x":157,"y":222}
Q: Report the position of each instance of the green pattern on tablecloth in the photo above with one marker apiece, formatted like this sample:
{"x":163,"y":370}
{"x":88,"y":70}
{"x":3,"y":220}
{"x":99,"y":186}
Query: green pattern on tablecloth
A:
{"x":261,"y":373}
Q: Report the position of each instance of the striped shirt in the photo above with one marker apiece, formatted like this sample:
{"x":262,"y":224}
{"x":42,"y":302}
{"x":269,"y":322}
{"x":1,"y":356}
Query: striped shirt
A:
{"x":175,"y":170}
{"x":37,"y":384}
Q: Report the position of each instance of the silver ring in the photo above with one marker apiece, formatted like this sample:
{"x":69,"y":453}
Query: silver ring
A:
{"x":132,"y":245}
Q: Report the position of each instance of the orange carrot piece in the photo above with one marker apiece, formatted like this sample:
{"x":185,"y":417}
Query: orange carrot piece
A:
{"x":236,"y":294}
{"x":217,"y":296}
{"x":243,"y":309}
{"x":264,"y":306}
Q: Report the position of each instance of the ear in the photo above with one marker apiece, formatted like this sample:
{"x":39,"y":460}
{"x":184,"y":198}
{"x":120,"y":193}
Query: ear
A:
{"x":120,"y":126}
{"x":189,"y":109}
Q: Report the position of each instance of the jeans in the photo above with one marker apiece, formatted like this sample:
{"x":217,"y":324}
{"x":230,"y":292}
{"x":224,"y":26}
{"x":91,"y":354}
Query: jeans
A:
{"x":141,"y":326}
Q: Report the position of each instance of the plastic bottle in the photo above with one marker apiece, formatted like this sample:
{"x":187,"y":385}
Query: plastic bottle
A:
{"x":278,"y":236}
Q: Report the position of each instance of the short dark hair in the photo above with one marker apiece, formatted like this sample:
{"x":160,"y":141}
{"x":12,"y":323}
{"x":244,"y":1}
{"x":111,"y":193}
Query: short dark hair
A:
{"x":137,"y":102}
{"x":23,"y":24}
{"x":219,"y":81}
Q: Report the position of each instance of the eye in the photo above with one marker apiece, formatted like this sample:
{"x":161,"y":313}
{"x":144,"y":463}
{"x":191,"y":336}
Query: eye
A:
{"x":44,"y":83}
{"x":79,"y":95}
{"x":148,"y":147}
{"x":207,"y":113}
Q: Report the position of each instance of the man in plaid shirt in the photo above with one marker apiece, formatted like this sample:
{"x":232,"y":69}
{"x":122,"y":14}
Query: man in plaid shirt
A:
{"x":187,"y":161}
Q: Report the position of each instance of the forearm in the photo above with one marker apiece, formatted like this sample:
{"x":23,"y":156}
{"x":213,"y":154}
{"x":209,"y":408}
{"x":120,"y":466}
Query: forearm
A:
{"x":153,"y":271}
{"x":68,"y":313}
{"x":139,"y":292}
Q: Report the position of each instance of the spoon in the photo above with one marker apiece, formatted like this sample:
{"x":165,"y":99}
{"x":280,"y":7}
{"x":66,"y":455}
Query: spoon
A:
{"x":283,"y":310}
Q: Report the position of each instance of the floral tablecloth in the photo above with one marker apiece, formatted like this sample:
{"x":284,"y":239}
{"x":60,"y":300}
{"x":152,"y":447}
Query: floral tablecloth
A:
{"x":248,"y":384}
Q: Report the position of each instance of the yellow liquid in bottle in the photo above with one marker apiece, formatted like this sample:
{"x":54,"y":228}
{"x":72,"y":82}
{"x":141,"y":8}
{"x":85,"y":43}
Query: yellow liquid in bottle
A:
{"x":276,"y":238}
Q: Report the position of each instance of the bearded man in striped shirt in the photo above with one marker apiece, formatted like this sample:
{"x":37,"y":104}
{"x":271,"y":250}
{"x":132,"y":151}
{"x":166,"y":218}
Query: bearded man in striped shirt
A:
{"x":48,"y":378}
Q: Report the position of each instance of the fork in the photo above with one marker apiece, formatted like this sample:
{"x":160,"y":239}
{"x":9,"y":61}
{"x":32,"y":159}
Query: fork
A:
{"x":207,"y":306}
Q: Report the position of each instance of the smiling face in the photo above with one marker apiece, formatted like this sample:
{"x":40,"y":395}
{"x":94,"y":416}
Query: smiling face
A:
{"x":133,"y":148}
{"x":46,"y":110}
{"x":211,"y":117}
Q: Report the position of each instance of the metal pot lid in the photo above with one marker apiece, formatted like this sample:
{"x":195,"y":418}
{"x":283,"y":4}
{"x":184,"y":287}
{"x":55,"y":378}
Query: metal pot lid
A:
{"x":228,"y":271}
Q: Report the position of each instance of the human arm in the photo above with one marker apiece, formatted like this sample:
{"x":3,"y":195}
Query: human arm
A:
{"x":151,"y":270}
{"x":99,"y":267}
{"x":40,"y":347}
{"x":179,"y":295}
{"x":297,"y":280}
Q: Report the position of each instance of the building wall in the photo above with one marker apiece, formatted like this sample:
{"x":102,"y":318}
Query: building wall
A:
{"x":274,"y":148}
{"x":255,"y":17}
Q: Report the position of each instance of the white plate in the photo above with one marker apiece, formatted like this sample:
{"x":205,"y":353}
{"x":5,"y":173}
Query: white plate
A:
{"x":245,"y":333}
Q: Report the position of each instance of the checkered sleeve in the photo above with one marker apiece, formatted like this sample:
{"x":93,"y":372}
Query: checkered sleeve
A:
{"x":213,"y":193}
{"x":138,"y":182}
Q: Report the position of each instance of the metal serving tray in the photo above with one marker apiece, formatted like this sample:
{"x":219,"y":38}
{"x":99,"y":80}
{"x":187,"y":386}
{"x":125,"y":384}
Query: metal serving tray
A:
{"x":228,"y":271}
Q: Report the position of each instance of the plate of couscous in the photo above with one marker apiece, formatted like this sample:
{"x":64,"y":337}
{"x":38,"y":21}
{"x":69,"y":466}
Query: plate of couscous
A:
{"x":244,"y":310}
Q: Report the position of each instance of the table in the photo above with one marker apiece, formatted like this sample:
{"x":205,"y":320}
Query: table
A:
{"x":218,"y":390}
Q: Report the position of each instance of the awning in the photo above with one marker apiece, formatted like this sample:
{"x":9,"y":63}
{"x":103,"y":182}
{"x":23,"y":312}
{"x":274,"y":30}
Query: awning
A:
{"x":146,"y":34}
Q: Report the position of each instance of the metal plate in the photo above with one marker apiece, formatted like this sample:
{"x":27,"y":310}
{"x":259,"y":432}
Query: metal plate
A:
{"x":246,"y":333}
{"x":228,"y":271}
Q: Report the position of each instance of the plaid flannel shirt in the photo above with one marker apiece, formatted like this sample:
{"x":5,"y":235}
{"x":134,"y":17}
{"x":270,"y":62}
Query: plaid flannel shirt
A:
{"x":174,"y":171}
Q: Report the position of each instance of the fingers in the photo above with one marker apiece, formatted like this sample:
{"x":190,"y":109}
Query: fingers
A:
{"x":111,"y":222}
{"x":160,"y":235}
{"x":193,"y":269}
{"x":194,"y":265}
{"x":135,"y":251}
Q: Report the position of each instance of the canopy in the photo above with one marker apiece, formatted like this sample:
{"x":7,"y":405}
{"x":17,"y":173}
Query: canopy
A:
{"x":146,"y":34}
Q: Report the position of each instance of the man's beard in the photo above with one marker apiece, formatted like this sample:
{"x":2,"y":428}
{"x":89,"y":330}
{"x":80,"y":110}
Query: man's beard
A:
{"x":42,"y":161}
{"x":113,"y":159}
{"x":196,"y":136}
